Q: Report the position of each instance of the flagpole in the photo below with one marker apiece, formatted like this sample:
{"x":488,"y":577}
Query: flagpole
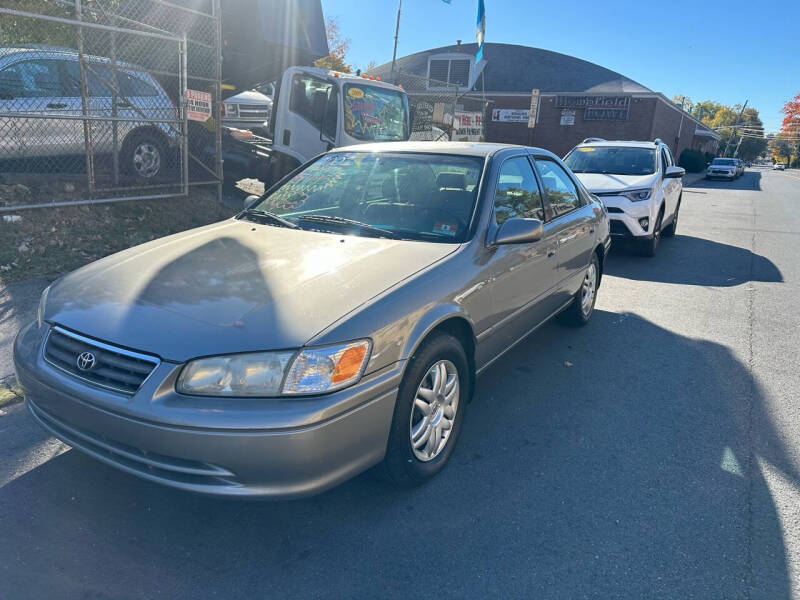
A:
{"x":396,"y":31}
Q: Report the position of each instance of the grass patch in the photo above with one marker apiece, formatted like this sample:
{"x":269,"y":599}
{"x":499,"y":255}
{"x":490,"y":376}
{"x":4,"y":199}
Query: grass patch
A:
{"x":50,"y":241}
{"x":10,"y":392}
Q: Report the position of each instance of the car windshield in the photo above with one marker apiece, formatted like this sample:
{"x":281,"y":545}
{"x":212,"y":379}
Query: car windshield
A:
{"x":723,"y":162}
{"x":616,"y":160}
{"x":406,"y":195}
{"x":373,"y":113}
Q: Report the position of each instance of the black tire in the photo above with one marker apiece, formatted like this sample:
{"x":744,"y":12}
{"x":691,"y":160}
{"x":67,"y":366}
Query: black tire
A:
{"x":671,"y":229}
{"x":575,"y":315}
{"x":144,"y":156}
{"x":649,"y":247}
{"x":401,"y":466}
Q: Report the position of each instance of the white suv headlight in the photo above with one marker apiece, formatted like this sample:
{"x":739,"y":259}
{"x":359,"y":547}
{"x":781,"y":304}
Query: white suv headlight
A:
{"x":637,"y":195}
{"x":266,"y":374}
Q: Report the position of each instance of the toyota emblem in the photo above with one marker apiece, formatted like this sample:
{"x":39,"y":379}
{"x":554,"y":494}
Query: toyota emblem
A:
{"x":86,"y":361}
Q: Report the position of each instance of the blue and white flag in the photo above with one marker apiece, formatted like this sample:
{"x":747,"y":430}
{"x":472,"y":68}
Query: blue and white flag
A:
{"x":480,"y":33}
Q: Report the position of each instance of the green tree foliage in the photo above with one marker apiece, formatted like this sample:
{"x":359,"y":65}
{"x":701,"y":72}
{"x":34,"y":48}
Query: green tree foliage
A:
{"x":337,"y":47}
{"x":790,"y":131}
{"x":725,"y":121}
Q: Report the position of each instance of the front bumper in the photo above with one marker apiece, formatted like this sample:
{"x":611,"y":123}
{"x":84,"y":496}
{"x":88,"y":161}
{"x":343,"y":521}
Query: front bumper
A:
{"x":624,"y":215}
{"x":270,"y":448}
{"x":731,"y":175}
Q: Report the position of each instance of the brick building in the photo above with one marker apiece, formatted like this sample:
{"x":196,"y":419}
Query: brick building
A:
{"x":574,"y":99}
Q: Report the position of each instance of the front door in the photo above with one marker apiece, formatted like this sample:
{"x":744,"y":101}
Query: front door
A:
{"x":303,"y":106}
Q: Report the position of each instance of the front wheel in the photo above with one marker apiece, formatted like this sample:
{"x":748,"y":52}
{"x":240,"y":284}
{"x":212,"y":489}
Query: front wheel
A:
{"x":428,"y":412}
{"x":144,"y":156}
{"x":578,"y":313}
{"x":672,"y":228}
{"x":649,"y":247}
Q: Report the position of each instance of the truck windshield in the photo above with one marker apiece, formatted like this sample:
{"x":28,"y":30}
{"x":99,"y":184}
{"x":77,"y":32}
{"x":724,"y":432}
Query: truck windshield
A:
{"x":408,"y":195}
{"x":616,"y":160}
{"x":374,"y":113}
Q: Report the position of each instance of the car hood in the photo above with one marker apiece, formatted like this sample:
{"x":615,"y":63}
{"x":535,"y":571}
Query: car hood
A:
{"x":602,"y":182}
{"x":249,"y":97}
{"x":234,"y":286}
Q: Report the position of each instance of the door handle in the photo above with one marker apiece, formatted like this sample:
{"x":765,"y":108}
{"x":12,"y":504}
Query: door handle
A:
{"x":56,"y":105}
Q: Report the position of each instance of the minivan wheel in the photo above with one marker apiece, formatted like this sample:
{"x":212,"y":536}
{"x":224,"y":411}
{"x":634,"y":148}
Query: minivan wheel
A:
{"x":143,"y":156}
{"x":578,"y":313}
{"x":428,"y":412}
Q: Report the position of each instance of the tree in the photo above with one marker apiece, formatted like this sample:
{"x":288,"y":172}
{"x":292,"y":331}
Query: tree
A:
{"x":337,"y":48}
{"x":790,"y":130}
{"x":684,"y":101}
{"x":780,"y":148}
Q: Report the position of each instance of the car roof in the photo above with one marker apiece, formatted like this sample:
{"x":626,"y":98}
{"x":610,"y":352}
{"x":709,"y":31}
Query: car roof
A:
{"x":621,"y":143}
{"x":463,"y":148}
{"x":48,"y":51}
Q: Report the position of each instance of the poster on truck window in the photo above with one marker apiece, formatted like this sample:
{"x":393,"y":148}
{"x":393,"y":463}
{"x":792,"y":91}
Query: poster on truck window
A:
{"x":374,"y":113}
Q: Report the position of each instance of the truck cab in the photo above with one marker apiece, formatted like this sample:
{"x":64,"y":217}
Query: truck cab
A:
{"x":316,"y":110}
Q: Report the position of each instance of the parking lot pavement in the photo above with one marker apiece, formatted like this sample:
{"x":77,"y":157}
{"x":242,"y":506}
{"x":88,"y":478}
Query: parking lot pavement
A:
{"x":653,"y":453}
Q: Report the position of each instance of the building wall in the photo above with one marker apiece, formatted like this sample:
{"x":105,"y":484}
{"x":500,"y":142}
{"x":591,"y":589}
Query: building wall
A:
{"x":667,"y":124}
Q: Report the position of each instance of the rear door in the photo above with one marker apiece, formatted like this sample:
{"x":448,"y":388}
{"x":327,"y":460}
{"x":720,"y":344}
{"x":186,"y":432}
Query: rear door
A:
{"x":570,"y":222}
{"x":521,"y":275}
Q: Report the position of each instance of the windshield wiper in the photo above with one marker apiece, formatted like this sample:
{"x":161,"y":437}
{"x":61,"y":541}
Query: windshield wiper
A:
{"x":271,"y":217}
{"x":352,"y":222}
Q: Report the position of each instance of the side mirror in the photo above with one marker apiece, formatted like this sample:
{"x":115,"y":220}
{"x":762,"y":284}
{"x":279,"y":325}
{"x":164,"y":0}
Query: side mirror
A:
{"x":249,"y":200}
{"x":519,"y":231}
{"x":674,"y":172}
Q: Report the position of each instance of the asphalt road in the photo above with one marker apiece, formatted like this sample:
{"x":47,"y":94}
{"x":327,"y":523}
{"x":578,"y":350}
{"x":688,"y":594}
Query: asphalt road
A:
{"x":665,"y":462}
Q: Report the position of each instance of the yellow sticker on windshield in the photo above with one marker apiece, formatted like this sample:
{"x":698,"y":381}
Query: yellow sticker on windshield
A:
{"x":355,"y":92}
{"x":586,"y":149}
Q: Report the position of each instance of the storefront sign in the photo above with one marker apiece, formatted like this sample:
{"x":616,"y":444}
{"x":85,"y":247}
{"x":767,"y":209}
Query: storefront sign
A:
{"x":593,"y":101}
{"x":423,"y":117}
{"x":567,"y":117}
{"x":534,"y":108}
{"x":511,"y":115}
{"x":606,"y":114}
{"x":468,"y":126}
{"x":199,"y":105}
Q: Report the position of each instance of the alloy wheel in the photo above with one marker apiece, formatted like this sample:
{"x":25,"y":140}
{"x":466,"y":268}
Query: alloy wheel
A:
{"x":434,"y":411}
{"x":588,"y":289}
{"x":146,"y":160}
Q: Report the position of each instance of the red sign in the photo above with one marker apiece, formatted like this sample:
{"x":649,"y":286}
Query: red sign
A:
{"x":199,"y":105}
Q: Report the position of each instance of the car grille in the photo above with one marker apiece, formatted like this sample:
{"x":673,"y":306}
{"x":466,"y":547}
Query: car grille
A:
{"x":103,"y":365}
{"x":254,"y":110}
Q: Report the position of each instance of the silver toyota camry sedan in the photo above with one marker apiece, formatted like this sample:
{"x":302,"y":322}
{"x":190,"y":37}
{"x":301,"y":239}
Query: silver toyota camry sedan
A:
{"x":337,"y":323}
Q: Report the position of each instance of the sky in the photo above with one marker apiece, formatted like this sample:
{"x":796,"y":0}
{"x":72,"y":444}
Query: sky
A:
{"x":728,"y":51}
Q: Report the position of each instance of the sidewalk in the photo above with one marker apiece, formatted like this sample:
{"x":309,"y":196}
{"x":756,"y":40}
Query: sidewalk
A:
{"x":692,"y":178}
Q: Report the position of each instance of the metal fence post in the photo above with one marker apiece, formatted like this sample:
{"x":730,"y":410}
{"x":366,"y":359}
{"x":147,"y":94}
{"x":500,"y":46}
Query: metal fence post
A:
{"x":183,"y":82}
{"x":87,"y":128}
{"x":217,"y":109}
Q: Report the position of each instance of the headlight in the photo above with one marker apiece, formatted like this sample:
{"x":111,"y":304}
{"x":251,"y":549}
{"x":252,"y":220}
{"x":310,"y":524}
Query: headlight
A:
{"x":637,"y":195}
{"x":231,"y":110}
{"x":42,"y":304}
{"x":265,"y":374}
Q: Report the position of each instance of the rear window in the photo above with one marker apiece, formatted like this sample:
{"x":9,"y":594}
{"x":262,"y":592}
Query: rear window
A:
{"x":724,"y":162}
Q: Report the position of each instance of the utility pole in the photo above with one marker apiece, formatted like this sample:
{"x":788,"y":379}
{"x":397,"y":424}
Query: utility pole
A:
{"x":396,"y":32}
{"x":739,"y":118}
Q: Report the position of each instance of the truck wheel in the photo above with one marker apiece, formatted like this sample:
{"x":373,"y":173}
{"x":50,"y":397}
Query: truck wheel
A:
{"x":144,"y":156}
{"x":428,"y":412}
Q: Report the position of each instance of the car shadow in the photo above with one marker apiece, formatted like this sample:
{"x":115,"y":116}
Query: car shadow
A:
{"x":584,"y":470}
{"x":690,"y":260}
{"x":749,"y":180}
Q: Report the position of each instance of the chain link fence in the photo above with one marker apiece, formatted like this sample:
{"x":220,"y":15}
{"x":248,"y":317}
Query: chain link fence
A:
{"x":106,"y":100}
{"x":440,"y":111}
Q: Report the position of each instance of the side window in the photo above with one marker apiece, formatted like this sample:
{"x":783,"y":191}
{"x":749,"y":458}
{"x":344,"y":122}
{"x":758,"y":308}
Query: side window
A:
{"x":96,"y":76}
{"x":130,"y":85}
{"x":308,"y":98}
{"x":517,"y":194}
{"x":562,"y":195}
{"x":32,"y":79}
{"x":665,"y":162}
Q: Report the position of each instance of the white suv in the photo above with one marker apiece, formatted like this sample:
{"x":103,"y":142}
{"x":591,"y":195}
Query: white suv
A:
{"x":637,"y":181}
